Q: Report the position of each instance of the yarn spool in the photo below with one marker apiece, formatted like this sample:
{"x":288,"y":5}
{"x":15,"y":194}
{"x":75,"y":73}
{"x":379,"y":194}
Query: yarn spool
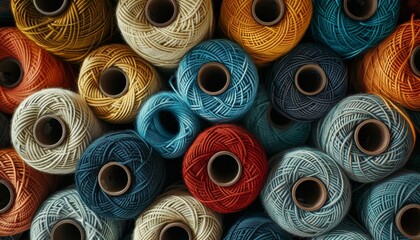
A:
{"x":306,"y":83}
{"x":19,"y":185}
{"x":225,"y":168}
{"x":163,"y":31}
{"x":274,"y":131}
{"x":167,"y":124}
{"x":348,"y":229}
{"x":4,"y":131}
{"x":22,"y":65}
{"x":375,"y":142}
{"x":68,"y":29}
{"x":57,"y":219}
{"x":266,"y":29}
{"x":390,"y":209}
{"x":115,"y":82}
{"x":217,"y":80}
{"x":176,"y":215}
{"x":306,"y":192}
{"x":350,"y":27}
{"x":393,"y":68}
{"x":52,"y":128}
{"x":117,"y":170}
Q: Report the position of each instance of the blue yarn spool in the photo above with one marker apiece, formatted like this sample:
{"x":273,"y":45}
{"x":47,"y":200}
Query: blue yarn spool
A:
{"x":349,"y":27}
{"x":367,"y":135}
{"x":306,"y":192}
{"x":167,"y":124}
{"x":256,"y":227}
{"x":306,"y":83}
{"x":217,"y":80}
{"x":348,"y":229}
{"x":119,"y":175}
{"x":390,"y":209}
{"x":275,"y":132}
{"x":4,"y":131}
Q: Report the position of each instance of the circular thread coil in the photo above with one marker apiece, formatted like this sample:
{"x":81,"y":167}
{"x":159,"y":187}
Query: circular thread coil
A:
{"x":164,"y":47}
{"x":4,"y":131}
{"x":127,"y":149}
{"x":141,"y":78}
{"x":82,"y":128}
{"x":286,"y":169}
{"x":248,"y":151}
{"x":35,"y":64}
{"x":346,"y":230}
{"x":167,"y":124}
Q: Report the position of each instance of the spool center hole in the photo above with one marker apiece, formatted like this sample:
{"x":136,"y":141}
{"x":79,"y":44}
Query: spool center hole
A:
{"x":10,"y":72}
{"x":410,"y":222}
{"x":67,"y":231}
{"x":310,"y":79}
{"x":114,"y":179}
{"x":361,"y":9}
{"x":278,"y":119}
{"x":167,"y":122}
{"x":416,"y":61}
{"x":267,"y":10}
{"x":49,"y":131}
{"x":371,"y":138}
{"x":161,"y":11}
{"x":224,"y":169}
{"x":213,"y":78}
{"x":175,"y":233}
{"x":113,"y":82}
{"x":5,"y":196}
{"x":49,"y":6}
{"x":308,"y":194}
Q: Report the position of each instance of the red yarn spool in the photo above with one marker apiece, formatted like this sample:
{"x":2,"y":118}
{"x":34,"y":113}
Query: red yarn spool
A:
{"x":225,"y":168}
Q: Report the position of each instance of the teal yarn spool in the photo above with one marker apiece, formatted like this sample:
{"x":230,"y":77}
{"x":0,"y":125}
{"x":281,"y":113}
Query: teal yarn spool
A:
{"x":4,"y":131}
{"x":307,"y":82}
{"x":352,"y":26}
{"x":275,"y":132}
{"x":367,"y":135}
{"x":63,"y":216}
{"x":217,"y":80}
{"x":306,"y":192}
{"x":390,"y":209}
{"x":119,"y":175}
{"x":167,"y":124}
{"x":348,"y":229}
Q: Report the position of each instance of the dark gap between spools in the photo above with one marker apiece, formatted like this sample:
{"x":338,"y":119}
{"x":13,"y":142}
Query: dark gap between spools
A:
{"x":6,"y":196}
{"x":161,"y":13}
{"x":310,"y":79}
{"x":224,"y":168}
{"x":51,"y":8}
{"x":67,"y":230}
{"x":11,"y":73}
{"x":268,"y":12}
{"x":49,"y":131}
{"x":360,"y":10}
{"x":277,"y":120}
{"x":113,"y":82}
{"x":309,"y":194}
{"x":176,"y":231}
{"x":114,"y":179}
{"x":213,"y":78}
{"x":408,"y":221}
{"x":372,"y":137}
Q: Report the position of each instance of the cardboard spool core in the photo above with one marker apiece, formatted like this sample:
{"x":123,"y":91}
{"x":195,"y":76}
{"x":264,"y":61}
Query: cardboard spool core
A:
{"x":67,"y":230}
{"x":268,"y":12}
{"x":309,"y":194}
{"x":276,"y":119}
{"x":167,"y":122}
{"x":114,"y":179}
{"x":408,"y":221}
{"x":11,"y":73}
{"x":176,"y":231}
{"x":360,"y":10}
{"x":161,"y":13}
{"x":310,"y":79}
{"x":50,"y":131}
{"x":51,"y":7}
{"x":7,"y":196}
{"x":224,"y":168}
{"x":372,"y":137}
{"x":415,"y":61}
{"x":113,"y":82}
{"x":213,"y":78}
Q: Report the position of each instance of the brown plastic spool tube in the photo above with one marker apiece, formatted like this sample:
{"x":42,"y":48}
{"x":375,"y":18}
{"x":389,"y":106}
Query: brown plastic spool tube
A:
{"x":276,"y":119}
{"x":50,"y":131}
{"x":415,"y":61}
{"x":7,"y":196}
{"x":213,"y":78}
{"x":408,"y":221}
{"x":372,"y":137}
{"x":268,"y":12}
{"x":161,"y":13}
{"x":113,"y":82}
{"x":51,"y":8}
{"x":309,"y":194}
{"x":114,"y":179}
{"x":11,"y":73}
{"x":224,"y":168}
{"x":67,"y":229}
{"x":360,"y":10}
{"x":176,"y":231}
{"x":310,"y":79}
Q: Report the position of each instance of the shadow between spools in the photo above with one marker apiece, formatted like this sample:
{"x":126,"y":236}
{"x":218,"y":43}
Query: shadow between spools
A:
{"x":309,"y":194}
{"x":372,"y":137}
{"x":114,"y":179}
{"x":268,"y":12}
{"x":161,"y":13}
{"x":213,"y":78}
{"x":415,"y":61}
{"x":7,"y":196}
{"x":50,"y":131}
{"x":51,"y":8}
{"x":113,"y":82}
{"x":408,"y":221}
{"x":310,"y":79}
{"x":68,"y":229}
{"x":224,"y":168}
{"x":176,"y":231}
{"x":11,"y":73}
{"x":360,"y":10}
{"x":277,"y":120}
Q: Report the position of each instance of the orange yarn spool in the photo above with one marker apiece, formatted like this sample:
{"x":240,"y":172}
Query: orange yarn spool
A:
{"x":22,"y":190}
{"x":26,"y":68}
{"x":393,"y":68}
{"x":266,"y":29}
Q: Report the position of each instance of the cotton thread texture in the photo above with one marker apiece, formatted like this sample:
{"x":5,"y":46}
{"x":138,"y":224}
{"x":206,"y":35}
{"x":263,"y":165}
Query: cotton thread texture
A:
{"x":4,"y":131}
{"x":265,"y":43}
{"x":81,"y":123}
{"x":143,"y":81}
{"x":348,"y":229}
{"x":146,"y":167}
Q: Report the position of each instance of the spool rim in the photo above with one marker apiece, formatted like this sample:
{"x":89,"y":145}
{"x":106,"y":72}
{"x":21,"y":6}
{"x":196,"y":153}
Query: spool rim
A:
{"x":8,"y":206}
{"x":64,"y":222}
{"x":212,"y":173}
{"x":3,"y":82}
{"x":103,"y":175}
{"x":172,"y":225}
{"x":368,"y":15}
{"x":311,"y":67}
{"x":398,"y":220}
{"x":38,"y":126}
{"x":150,"y":18}
{"x":321,"y":199}
{"x":107,"y":76}
{"x":279,"y":3}
{"x":414,"y":65}
{"x":386,"y":137}
{"x":273,"y":123}
{"x":61,"y":9}
{"x":207,"y":69}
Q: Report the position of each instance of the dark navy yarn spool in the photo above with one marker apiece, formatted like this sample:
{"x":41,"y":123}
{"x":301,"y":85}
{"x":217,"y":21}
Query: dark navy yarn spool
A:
{"x":348,"y":229}
{"x":4,"y":131}
{"x":133,"y":175}
{"x":306,"y":83}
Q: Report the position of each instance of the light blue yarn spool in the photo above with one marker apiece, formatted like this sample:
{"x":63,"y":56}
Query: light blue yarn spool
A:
{"x":274,"y":131}
{"x":167,"y":124}
{"x":348,"y":229}
{"x":375,"y":158}
{"x":349,"y":37}
{"x":293,"y":193}
{"x":218,"y":99}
